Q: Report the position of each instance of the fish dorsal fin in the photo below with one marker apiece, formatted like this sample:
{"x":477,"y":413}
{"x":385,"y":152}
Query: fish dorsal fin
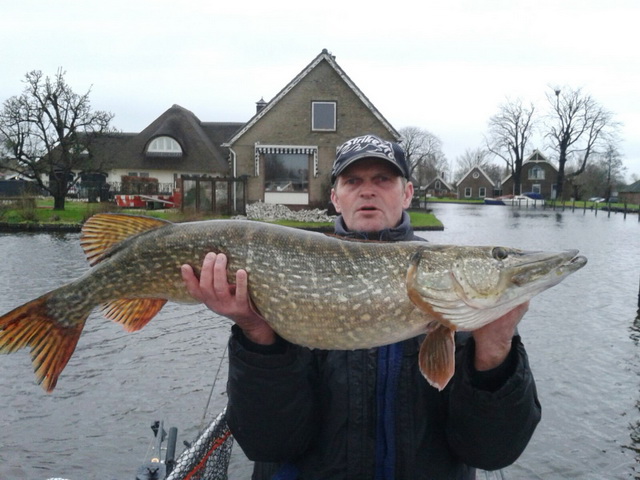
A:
{"x":133,"y":313}
{"x":104,"y":230}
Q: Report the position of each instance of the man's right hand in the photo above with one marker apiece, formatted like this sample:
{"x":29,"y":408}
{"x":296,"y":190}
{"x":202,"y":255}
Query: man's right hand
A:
{"x":229,"y":300}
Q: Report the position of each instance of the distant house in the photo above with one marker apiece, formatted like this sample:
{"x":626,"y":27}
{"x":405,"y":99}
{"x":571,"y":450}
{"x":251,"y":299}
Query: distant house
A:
{"x":630,"y":194}
{"x":538,"y":176}
{"x":475,"y":184}
{"x":176,"y":143}
{"x":438,"y":188}
{"x":285,"y":151}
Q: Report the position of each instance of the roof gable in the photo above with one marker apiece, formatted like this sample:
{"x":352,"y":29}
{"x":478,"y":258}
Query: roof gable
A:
{"x":535,"y":157}
{"x":480,"y":171}
{"x":442,"y":181}
{"x":324,"y":56}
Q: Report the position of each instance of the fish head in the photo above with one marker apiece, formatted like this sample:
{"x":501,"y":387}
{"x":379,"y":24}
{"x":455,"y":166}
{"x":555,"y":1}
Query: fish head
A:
{"x":468,"y":287}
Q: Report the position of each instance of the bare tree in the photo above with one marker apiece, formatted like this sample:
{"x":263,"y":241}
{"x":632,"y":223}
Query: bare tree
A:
{"x":48,"y":131}
{"x":509,"y":133}
{"x":577,"y":127}
{"x":472,"y":157}
{"x":601,"y":176}
{"x":614,"y":169}
{"x":424,"y":153}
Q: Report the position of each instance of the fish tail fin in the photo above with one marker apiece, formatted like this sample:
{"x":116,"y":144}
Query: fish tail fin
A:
{"x":52,"y":340}
{"x":437,"y":356}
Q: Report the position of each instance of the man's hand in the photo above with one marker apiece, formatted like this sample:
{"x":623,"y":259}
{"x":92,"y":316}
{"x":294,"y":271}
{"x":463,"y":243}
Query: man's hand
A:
{"x":493,"y":341}
{"x":229,"y":300}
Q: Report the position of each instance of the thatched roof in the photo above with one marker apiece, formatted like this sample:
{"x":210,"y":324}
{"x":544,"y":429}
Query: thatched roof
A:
{"x":200,"y":143}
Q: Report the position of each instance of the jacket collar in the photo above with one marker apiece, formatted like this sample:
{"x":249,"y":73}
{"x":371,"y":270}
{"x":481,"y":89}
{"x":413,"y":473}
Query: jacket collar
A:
{"x":403,"y":231}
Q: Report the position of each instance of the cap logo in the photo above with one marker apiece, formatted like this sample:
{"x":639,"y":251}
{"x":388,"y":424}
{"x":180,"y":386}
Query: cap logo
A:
{"x":369,"y":143}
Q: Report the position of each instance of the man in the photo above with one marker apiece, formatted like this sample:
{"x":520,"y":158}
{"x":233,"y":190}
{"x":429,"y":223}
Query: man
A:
{"x":369,"y":414}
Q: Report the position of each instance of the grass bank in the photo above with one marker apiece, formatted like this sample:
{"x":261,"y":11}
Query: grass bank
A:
{"x":41,"y":214}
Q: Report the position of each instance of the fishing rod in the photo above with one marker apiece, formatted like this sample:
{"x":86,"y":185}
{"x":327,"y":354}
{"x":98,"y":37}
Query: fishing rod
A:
{"x":155,"y":468}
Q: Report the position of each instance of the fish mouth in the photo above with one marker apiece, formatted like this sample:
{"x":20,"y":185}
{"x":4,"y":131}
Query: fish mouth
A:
{"x":541,"y":264}
{"x":533,"y":273}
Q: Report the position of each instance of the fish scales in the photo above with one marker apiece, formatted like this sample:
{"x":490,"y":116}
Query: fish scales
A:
{"x":315,"y":290}
{"x":305,"y":284}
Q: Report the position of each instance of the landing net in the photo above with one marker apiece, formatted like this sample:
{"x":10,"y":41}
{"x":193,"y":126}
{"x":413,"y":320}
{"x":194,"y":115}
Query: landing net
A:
{"x":208,"y":457}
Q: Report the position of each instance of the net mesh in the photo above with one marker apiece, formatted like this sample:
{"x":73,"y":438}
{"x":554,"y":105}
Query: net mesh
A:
{"x":208,"y":457}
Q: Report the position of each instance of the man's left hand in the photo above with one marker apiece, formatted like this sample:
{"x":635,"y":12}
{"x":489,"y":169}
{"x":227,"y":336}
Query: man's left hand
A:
{"x":493,"y":341}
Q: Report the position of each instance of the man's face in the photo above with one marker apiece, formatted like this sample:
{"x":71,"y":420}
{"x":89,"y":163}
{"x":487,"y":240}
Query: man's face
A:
{"x":371,"y":196}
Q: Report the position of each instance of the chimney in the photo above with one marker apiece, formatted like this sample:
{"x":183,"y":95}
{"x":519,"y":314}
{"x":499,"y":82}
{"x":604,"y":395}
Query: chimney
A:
{"x":260,"y":105}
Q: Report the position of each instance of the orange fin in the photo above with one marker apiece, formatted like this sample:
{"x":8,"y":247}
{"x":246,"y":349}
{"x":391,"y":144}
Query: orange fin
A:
{"x":437,"y":356}
{"x":133,"y":313}
{"x":104,"y":230}
{"x":52,"y":341}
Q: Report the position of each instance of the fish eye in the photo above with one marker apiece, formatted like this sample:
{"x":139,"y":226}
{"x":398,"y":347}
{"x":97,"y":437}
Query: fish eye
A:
{"x":499,"y":253}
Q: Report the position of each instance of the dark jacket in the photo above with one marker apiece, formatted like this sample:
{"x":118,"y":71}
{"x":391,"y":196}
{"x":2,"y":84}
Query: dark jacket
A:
{"x":368,"y":414}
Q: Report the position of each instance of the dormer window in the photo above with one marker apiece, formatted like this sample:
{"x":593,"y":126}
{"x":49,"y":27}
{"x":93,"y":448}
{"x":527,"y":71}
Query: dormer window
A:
{"x":164,"y":147}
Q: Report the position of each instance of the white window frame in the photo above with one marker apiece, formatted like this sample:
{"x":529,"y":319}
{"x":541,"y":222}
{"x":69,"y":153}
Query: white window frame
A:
{"x":467,"y":192}
{"x":323,"y":128}
{"x":536,"y":173}
{"x":164,"y":146}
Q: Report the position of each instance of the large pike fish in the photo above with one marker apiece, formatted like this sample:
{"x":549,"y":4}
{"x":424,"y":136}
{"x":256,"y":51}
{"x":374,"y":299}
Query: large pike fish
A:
{"x":315,"y":290}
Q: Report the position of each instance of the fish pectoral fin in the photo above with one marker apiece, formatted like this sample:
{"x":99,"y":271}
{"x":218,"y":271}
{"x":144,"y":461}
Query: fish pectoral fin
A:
{"x":52,"y":340}
{"x":133,"y":313}
{"x":104,"y":230}
{"x":437,"y":356}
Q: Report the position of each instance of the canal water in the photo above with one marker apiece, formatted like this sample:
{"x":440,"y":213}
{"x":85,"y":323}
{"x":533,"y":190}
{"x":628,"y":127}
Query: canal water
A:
{"x":582,"y":337}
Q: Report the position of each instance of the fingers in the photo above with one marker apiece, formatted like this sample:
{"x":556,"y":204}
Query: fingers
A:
{"x":213,"y":287}
{"x":220,"y":285}
{"x":206,"y":274}
{"x":191,"y":281}
{"x":227,"y":299}
{"x":242,"y":289}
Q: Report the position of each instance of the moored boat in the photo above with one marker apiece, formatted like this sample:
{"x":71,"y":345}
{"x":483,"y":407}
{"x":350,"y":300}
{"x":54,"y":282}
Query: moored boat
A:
{"x":524,"y":200}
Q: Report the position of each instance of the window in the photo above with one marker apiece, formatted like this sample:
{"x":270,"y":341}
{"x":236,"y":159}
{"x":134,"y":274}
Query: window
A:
{"x":483,"y":192}
{"x":164,"y":147}
{"x":536,"y":173}
{"x":323,"y":116}
{"x":286,"y":172}
{"x":467,"y":192}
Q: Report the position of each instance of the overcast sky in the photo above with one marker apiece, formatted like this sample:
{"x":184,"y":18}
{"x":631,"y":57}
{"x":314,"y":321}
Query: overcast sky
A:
{"x":443,"y":66}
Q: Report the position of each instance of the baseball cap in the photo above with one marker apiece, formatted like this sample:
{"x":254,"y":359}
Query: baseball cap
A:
{"x":369,"y":146}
